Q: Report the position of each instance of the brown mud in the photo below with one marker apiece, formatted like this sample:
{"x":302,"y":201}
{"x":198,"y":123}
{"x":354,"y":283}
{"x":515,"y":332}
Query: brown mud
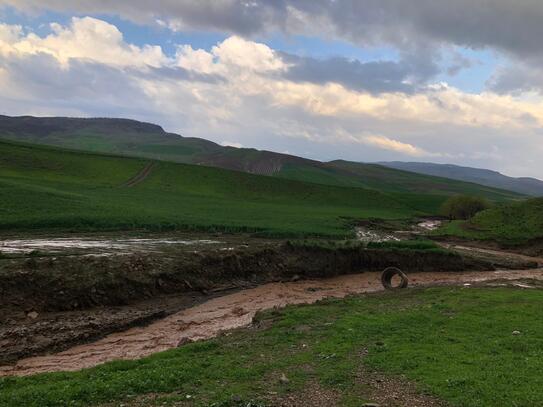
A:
{"x":69,"y":283}
{"x":31,"y":334}
{"x":530,"y":248}
{"x":485,"y":252}
{"x":77,"y":290}
{"x":231,"y":311}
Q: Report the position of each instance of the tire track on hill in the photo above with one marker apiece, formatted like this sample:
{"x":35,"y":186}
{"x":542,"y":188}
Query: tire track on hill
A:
{"x":140,"y":176}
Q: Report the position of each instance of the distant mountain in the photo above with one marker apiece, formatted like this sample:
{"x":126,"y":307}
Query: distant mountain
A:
{"x":138,"y":139}
{"x":523,"y":185}
{"x":103,"y":135}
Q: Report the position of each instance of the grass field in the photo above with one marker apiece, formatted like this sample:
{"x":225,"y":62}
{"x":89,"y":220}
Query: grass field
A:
{"x":455,"y":343}
{"x":515,"y":224}
{"x":47,"y":188}
{"x":374,"y":176}
{"x":145,"y":140}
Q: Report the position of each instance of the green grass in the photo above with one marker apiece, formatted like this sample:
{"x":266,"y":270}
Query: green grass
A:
{"x":405,"y":245}
{"x":455,"y":343}
{"x":345,"y":173}
{"x":129,"y":138}
{"x":325,"y":244}
{"x":47,"y":188}
{"x":513,"y":224}
{"x":419,"y":245}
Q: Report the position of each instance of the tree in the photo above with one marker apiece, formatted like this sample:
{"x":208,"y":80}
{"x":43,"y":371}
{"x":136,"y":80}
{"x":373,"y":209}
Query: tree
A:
{"x":463,"y":207}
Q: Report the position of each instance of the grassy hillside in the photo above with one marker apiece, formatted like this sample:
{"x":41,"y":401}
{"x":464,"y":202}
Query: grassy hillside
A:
{"x":523,"y":185}
{"x":387,"y":179}
{"x":454,"y":343}
{"x":43,"y":188}
{"x":515,"y":223}
{"x":112,"y":136}
{"x":132,"y":138}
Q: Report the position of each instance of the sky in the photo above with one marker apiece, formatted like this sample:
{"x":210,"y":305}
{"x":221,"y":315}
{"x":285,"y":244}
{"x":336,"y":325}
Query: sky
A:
{"x":456,"y":81}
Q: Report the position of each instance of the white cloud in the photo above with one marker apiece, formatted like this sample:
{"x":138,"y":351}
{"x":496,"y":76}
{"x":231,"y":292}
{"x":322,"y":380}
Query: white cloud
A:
{"x":86,"y":38}
{"x":231,"y":144}
{"x":232,"y":56}
{"x":404,"y":24}
{"x":386,"y":143}
{"x":87,"y":68}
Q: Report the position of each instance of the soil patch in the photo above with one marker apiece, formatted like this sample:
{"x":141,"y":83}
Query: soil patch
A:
{"x":388,"y":391}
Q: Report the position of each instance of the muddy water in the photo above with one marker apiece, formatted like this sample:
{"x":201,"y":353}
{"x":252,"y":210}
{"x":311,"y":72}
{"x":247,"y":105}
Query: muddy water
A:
{"x":231,"y":311}
{"x":430,"y":224}
{"x":368,"y":235}
{"x":500,"y":253}
{"x":103,"y":246}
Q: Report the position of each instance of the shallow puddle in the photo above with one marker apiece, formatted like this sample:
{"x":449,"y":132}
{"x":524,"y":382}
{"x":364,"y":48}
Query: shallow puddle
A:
{"x":60,"y":245}
{"x":430,"y":224}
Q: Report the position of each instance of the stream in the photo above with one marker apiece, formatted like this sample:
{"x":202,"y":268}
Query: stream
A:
{"x":232,"y":311}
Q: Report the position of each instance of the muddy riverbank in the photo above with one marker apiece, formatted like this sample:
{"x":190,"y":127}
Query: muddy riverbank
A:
{"x":78,"y":282}
{"x":70,"y":295}
{"x":237,"y":310}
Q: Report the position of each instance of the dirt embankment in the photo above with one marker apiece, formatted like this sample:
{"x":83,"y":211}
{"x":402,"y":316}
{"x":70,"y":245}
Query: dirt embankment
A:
{"x":50,"y":304}
{"x":81,"y":282}
{"x":531,"y":248}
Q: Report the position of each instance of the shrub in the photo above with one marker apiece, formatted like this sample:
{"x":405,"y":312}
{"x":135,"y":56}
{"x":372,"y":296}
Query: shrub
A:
{"x":463,"y":207}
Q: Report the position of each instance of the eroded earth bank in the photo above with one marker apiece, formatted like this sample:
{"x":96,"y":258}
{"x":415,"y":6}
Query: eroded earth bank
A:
{"x":77,"y":307}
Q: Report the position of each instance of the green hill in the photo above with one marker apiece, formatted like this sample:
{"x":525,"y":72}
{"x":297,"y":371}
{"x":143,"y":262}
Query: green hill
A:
{"x":375,"y":176}
{"x":522,"y":185}
{"x":137,"y":139}
{"x":44,"y":188}
{"x":516,"y":223}
{"x":102,"y":135}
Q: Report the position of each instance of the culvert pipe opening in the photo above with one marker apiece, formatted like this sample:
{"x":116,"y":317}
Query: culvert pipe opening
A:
{"x":389,"y":277}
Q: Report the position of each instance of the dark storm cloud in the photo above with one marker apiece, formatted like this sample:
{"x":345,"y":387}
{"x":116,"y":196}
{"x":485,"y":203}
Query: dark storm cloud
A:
{"x":405,"y":76}
{"x":516,"y":79}
{"x":419,"y":28}
{"x":511,"y":25}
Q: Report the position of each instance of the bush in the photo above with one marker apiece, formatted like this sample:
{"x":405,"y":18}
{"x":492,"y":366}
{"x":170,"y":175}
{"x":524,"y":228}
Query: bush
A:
{"x":463,"y":207}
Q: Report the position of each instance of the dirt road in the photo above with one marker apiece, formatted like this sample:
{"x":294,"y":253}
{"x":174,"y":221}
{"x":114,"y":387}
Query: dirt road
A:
{"x":233,"y":311}
{"x":493,"y":253}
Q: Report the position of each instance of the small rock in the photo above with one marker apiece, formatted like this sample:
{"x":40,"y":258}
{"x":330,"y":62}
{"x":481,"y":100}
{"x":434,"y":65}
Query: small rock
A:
{"x":370,"y":405}
{"x":32,"y":315}
{"x":516,"y":332}
{"x":295,"y":277}
{"x":284,"y":379}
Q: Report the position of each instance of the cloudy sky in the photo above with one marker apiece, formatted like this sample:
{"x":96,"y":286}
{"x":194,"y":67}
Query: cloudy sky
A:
{"x":456,"y":81}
